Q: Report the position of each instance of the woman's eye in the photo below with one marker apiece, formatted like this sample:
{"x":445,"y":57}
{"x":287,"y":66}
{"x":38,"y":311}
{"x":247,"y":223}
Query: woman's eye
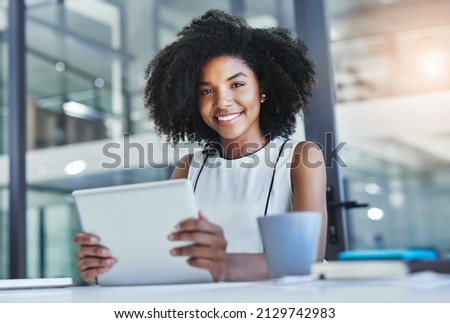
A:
{"x":205,"y":92}
{"x":237,"y":84}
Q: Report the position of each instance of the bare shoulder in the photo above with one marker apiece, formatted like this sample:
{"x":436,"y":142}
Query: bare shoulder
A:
{"x":182,"y":167}
{"x":308,"y":172}
{"x":307,"y":154}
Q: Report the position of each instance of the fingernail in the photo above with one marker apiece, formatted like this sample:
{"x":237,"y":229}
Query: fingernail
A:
{"x":171,"y":237}
{"x":173,"y":252}
{"x":177,"y":227}
{"x":93,"y":239}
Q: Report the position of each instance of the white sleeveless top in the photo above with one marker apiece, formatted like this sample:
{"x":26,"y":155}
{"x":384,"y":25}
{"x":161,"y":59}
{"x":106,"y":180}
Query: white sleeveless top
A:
{"x":234,"y":192}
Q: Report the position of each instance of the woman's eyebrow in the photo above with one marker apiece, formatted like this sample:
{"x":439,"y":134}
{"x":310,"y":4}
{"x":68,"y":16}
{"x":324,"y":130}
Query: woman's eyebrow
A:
{"x":228,"y":79}
{"x":236,"y":75}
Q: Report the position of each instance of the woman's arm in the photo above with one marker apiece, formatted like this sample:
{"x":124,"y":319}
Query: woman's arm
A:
{"x":309,"y":183}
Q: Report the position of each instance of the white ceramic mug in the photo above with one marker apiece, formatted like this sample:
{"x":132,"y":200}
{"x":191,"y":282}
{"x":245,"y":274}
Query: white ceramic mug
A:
{"x":290,"y":241}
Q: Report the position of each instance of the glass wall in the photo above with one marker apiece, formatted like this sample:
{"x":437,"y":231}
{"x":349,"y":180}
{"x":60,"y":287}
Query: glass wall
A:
{"x":393,"y":89}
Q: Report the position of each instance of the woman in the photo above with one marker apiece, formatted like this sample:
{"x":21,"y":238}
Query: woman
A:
{"x":237,"y":91}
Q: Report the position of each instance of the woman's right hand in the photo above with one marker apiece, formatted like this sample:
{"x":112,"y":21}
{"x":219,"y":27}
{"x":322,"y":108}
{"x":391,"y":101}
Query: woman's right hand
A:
{"x":93,"y":258}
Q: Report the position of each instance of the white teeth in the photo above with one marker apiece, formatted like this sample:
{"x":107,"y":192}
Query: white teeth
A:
{"x":228,"y":117}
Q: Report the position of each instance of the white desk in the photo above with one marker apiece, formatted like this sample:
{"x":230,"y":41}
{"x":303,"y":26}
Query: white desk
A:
{"x":420,"y":287}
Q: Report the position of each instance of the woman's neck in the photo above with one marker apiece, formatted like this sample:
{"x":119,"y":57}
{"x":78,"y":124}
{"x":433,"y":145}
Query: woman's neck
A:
{"x":235,"y":148}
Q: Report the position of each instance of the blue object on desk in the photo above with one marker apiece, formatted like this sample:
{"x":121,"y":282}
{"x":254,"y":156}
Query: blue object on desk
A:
{"x":386,"y":254}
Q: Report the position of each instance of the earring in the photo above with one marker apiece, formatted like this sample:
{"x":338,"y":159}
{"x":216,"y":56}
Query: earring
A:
{"x":263,"y":97}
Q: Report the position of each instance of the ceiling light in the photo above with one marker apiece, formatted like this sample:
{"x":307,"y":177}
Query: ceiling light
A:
{"x":334,"y":34}
{"x":99,"y":82}
{"x":375,"y":213}
{"x":80,"y":110}
{"x":60,"y":66}
{"x":75,"y":167}
{"x":432,"y":62}
{"x":372,"y":188}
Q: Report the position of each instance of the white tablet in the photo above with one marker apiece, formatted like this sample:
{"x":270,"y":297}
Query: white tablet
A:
{"x":133,"y":221}
{"x":28,"y":283}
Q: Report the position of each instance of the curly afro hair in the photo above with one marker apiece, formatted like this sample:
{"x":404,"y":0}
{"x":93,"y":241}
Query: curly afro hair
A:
{"x":279,"y":60}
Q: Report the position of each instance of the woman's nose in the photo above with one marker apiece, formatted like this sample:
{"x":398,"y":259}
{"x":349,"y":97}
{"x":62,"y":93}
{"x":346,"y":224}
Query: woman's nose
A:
{"x":224,"y":98}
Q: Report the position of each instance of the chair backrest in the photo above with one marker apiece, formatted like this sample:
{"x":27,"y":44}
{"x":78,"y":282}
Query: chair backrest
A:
{"x":337,"y":237}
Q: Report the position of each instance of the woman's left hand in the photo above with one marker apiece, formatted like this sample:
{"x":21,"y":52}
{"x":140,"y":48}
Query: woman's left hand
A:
{"x":208,"y":249}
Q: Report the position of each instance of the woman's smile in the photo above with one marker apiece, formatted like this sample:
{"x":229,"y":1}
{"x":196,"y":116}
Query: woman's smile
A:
{"x":228,"y":119}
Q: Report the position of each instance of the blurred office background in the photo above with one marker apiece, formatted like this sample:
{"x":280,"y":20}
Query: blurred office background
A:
{"x":85,"y":63}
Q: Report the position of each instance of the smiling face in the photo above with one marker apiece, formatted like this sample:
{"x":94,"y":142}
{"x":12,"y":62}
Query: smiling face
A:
{"x":229,"y":100}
